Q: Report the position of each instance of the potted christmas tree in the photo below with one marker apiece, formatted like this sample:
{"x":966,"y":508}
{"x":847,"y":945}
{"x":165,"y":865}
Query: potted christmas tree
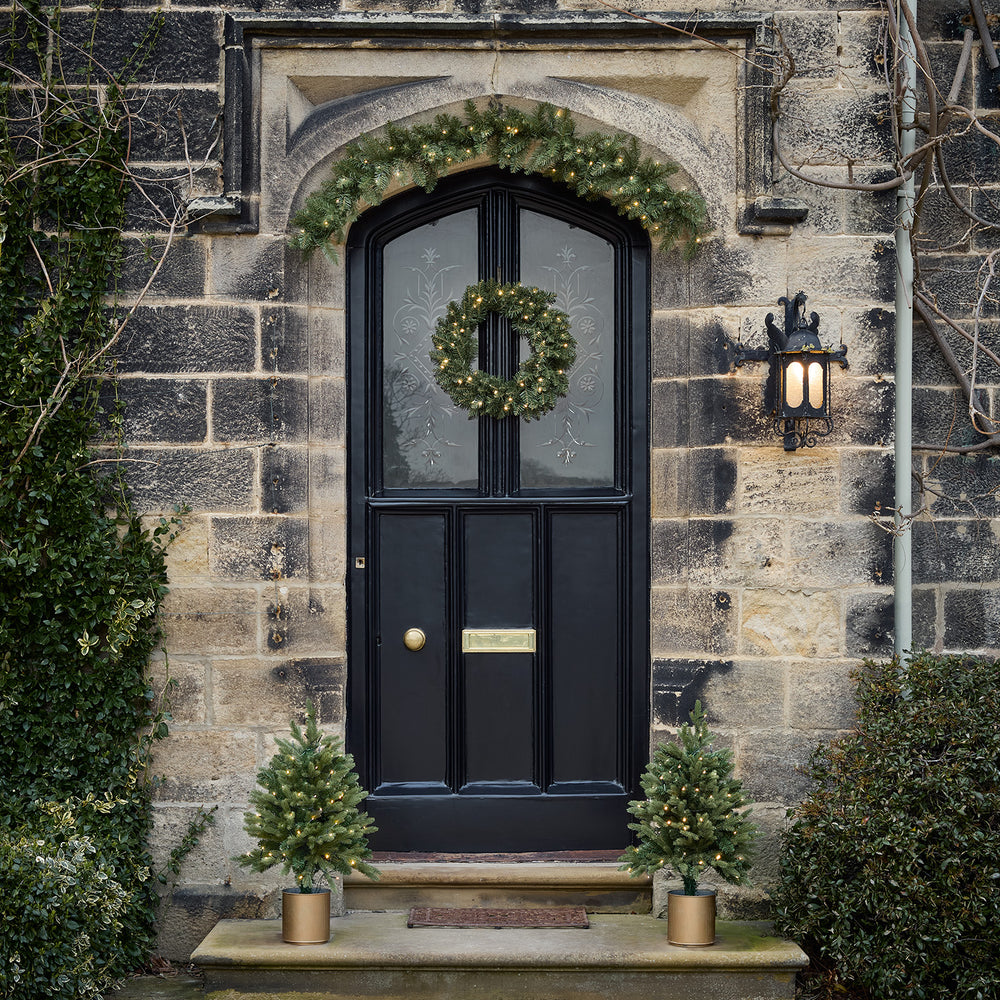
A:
{"x":304,"y":816}
{"x":690,"y":822}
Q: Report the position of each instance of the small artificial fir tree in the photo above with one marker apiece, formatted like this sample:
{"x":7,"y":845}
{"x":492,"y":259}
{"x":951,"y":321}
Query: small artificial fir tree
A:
{"x":689,"y":819}
{"x":304,"y":814}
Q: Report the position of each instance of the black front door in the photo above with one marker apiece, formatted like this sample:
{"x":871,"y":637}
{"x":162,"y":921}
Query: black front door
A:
{"x":513,"y":552}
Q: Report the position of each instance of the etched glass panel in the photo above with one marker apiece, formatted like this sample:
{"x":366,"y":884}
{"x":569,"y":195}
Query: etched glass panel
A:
{"x":427,"y":442}
{"x":573,"y":444}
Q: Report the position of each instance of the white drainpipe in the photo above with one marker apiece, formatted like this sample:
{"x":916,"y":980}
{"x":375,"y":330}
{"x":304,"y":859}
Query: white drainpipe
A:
{"x":903,"y":540}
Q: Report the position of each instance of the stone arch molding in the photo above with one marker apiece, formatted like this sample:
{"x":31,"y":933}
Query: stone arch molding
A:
{"x":297,"y":90}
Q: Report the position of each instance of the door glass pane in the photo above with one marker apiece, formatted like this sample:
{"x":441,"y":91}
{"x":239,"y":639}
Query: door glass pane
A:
{"x":573,"y":444}
{"x":427,"y":442}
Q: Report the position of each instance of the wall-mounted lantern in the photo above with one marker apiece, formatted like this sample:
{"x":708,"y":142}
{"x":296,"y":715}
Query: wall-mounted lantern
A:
{"x":799,"y":383}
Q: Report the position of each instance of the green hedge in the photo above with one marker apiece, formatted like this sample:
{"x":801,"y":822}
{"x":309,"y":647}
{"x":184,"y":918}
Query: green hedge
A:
{"x":891,"y":867}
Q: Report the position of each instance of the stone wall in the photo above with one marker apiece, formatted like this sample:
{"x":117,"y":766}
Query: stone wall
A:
{"x":770,"y":578}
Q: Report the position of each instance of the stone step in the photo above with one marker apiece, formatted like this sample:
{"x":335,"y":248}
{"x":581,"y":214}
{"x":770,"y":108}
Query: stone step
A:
{"x":374,"y":956}
{"x":600,"y":887}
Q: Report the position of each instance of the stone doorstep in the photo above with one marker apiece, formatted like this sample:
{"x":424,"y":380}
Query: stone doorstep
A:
{"x":600,"y":887}
{"x":620,"y":957}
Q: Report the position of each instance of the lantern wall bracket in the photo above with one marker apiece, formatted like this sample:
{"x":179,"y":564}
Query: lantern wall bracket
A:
{"x":799,"y":416}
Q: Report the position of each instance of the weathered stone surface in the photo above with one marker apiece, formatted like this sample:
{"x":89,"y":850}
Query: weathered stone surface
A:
{"x":821,"y":694}
{"x":327,"y":353}
{"x":768,"y":763}
{"x":161,"y":410}
{"x":205,"y":619}
{"x":790,"y":623}
{"x":835,"y":554}
{"x":812,"y":41}
{"x":306,"y":621}
{"x":182,"y":273}
{"x":774,"y":481}
{"x":215,"y":765}
{"x":175,"y":123}
{"x":284,"y":340}
{"x":926,"y":632}
{"x":284,"y":476}
{"x":253,"y":692}
{"x":157,"y":203}
{"x":964,"y":486}
{"x":850,"y":268}
{"x":972,"y":619}
{"x":327,"y":410}
{"x":677,"y":684}
{"x":750,"y":695}
{"x":273,"y":408}
{"x":870,"y":624}
{"x":697,"y":621}
{"x":960,"y":551}
{"x":328,"y":559}
{"x":255,"y":269}
{"x":939,"y":417}
{"x":726,"y":410}
{"x":203,"y":480}
{"x":259,"y":548}
{"x":670,"y":418}
{"x":202,"y":338}
{"x":187,"y":554}
{"x":867,"y":482}
{"x":734,"y":553}
{"x":861,"y":50}
{"x":819,"y":124}
{"x":185,"y":699}
{"x":869,"y":335}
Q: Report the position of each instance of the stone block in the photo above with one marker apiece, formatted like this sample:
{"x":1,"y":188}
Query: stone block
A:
{"x":955,"y":551}
{"x":812,"y":41}
{"x":157,"y":199}
{"x":328,"y":558}
{"x":702,"y":622}
{"x":670,"y":420}
{"x":182,"y":274}
{"x":733,"y":553}
{"x":328,"y":410}
{"x":964,"y":486}
{"x":312,"y":621}
{"x":776,"y":482}
{"x":184,"y":698}
{"x":327,"y":482}
{"x":870,"y":624}
{"x":751,"y":694}
{"x":255,"y":268}
{"x":327,"y":340}
{"x":192,"y":338}
{"x":820,"y":124}
{"x":972,"y":619}
{"x":955,"y":281}
{"x":861,"y":54}
{"x":186,"y":51}
{"x":205,"y":620}
{"x":821,"y":695}
{"x":207,"y":861}
{"x":284,"y":340}
{"x":841,"y":554}
{"x":259,"y":548}
{"x":266,"y":690}
{"x":728,"y":409}
{"x":790,"y":623}
{"x":712,"y":478}
{"x":208,"y":766}
{"x":768,"y":763}
{"x":946,"y":225}
{"x":158,"y":410}
{"x":193,"y":910}
{"x":736,"y":273}
{"x":867,"y":481}
{"x":187,"y":554}
{"x":669,"y":548}
{"x":848,"y":268}
{"x":273,"y":408}
{"x":204,"y":480}
{"x":329,"y":275}
{"x":862,"y":412}
{"x":174,"y":123}
{"x":871,"y":213}
{"x":926,"y":633}
{"x":826,"y":203}
{"x":670,"y":281}
{"x":984,"y":204}
{"x":677,"y":684}
{"x":284,"y":480}
{"x":869,"y":335}
{"x":670,"y":345}
{"x":929,"y":365}
{"x":668,"y":473}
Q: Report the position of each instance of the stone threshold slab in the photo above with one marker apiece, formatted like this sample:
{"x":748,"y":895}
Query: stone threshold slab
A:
{"x":478,"y":873}
{"x":383,"y":939}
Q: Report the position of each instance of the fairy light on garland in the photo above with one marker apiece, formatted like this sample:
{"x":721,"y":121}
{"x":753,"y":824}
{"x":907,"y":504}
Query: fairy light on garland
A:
{"x":543,"y":378}
{"x":594,"y":165}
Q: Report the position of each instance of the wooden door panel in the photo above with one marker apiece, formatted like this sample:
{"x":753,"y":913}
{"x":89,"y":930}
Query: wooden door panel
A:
{"x":412,"y":686}
{"x":586,"y":645}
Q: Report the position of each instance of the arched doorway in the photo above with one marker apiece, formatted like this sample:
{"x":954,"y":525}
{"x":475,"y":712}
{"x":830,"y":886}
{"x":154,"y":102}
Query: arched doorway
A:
{"x":518,"y":548}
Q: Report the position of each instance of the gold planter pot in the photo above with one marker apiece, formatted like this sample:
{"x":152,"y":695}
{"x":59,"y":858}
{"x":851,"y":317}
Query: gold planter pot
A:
{"x":305,"y":916}
{"x":691,"y":919}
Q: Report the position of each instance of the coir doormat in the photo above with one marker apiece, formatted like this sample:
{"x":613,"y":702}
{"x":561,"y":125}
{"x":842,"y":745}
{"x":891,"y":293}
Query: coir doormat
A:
{"x":484,"y":916}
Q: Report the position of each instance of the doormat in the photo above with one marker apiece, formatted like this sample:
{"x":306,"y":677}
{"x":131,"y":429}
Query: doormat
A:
{"x":484,"y":916}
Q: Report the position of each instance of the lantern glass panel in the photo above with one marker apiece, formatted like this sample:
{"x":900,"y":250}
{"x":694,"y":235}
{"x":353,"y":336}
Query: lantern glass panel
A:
{"x":816,"y":400}
{"x":794,"y":386}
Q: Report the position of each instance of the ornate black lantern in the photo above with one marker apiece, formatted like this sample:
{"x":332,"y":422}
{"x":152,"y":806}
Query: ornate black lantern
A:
{"x":800,"y":374}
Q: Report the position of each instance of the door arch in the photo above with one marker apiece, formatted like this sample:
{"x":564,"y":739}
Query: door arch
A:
{"x":488,"y":532}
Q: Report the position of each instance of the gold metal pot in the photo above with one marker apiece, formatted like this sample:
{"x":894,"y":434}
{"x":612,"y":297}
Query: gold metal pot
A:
{"x":691,"y":919}
{"x":305,"y":916}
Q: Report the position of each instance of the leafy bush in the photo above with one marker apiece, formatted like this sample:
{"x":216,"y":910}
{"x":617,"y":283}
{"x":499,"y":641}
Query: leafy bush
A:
{"x":891,"y":868}
{"x":61,"y":912}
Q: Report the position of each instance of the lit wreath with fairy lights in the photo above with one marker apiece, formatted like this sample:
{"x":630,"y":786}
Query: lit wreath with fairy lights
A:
{"x":540,"y":382}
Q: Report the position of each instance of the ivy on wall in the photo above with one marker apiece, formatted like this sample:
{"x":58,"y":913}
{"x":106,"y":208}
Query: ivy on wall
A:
{"x":594,"y":164}
{"x":80,"y":577}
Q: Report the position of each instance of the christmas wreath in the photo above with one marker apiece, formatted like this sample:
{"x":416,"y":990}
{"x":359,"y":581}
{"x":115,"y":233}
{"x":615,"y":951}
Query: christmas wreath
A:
{"x":542,"y":379}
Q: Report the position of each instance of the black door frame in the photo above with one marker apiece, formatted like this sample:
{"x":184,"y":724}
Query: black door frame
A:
{"x":632,"y":306}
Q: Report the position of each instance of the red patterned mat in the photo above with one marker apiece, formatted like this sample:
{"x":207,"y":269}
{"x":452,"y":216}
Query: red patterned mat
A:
{"x":484,"y":916}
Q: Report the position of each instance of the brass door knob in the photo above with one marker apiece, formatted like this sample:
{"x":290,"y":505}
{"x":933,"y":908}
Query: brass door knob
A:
{"x":414,"y":639}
